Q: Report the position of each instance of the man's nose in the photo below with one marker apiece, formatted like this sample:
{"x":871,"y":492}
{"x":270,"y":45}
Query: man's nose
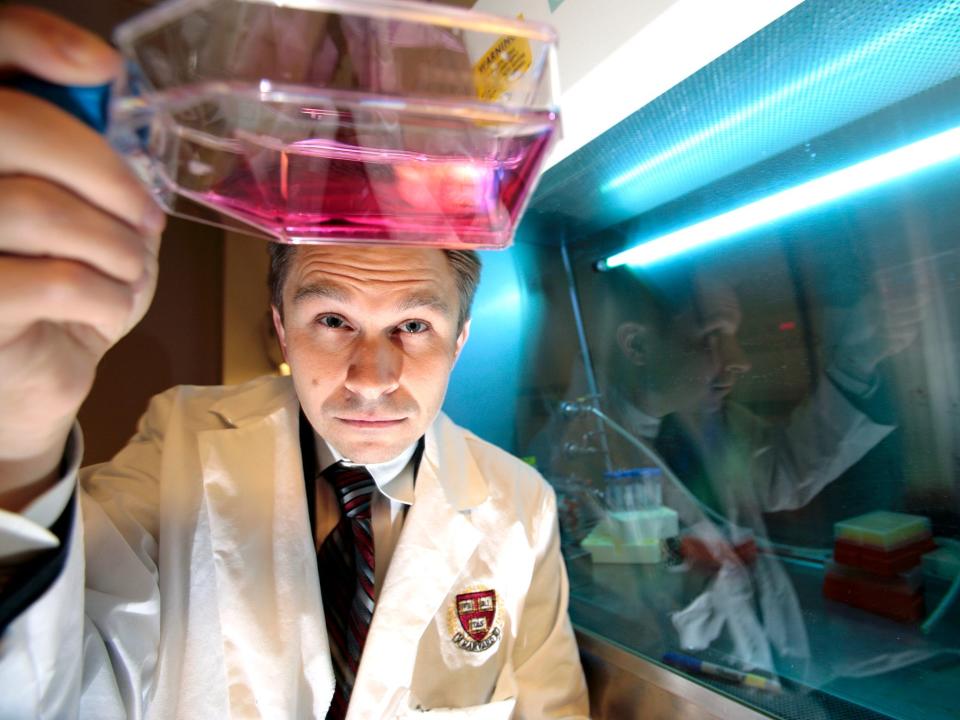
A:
{"x":732,"y":357}
{"x":375,"y":368}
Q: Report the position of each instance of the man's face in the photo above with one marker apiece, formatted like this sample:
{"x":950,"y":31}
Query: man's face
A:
{"x":719,"y":318}
{"x":695,"y":362}
{"x":370,"y":334}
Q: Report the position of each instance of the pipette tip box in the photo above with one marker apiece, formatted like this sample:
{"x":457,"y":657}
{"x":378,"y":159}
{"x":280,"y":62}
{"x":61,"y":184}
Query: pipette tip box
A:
{"x":883,"y":530}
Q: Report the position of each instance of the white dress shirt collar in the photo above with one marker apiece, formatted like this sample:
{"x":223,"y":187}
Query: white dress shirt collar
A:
{"x":389,"y":476}
{"x":640,"y":423}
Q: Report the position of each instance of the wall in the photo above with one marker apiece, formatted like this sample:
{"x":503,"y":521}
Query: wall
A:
{"x":247,"y":343}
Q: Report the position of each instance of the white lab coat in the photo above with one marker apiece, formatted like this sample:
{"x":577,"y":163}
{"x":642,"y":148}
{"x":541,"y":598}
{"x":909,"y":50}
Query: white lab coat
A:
{"x":202,"y":598}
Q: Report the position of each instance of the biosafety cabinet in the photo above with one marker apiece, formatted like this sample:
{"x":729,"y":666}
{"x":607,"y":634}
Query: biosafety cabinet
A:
{"x":728,"y":335}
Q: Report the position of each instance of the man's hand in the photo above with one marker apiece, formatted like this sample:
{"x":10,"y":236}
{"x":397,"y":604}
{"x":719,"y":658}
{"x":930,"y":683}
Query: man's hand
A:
{"x":885,"y":322}
{"x":79,"y":239}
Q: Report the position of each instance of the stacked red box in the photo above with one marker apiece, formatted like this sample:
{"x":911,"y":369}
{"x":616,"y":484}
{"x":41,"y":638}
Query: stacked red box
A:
{"x":899,"y":597}
{"x":886,"y":563}
{"x":876,"y":564}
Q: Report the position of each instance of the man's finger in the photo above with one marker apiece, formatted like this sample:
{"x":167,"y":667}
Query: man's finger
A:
{"x":904,"y":313}
{"x":44,"y":141}
{"x":42,"y":44}
{"x":60,"y":291}
{"x":38,"y":218}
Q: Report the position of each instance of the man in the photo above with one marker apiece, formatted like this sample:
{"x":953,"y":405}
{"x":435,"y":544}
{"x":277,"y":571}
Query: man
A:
{"x":181,"y":579}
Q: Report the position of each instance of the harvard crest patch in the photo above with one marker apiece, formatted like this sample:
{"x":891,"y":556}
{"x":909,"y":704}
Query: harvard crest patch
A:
{"x":474,"y":619}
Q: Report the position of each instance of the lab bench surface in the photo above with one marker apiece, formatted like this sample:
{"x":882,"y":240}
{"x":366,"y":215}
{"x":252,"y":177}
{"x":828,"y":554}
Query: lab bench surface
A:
{"x":859,"y":665}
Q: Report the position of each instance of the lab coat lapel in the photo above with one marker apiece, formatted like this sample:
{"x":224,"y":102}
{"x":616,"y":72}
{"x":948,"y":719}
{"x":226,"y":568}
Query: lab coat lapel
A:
{"x":437,"y":541}
{"x":271,"y":617}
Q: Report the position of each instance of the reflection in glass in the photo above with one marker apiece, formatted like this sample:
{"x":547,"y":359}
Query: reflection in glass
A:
{"x":756,"y":461}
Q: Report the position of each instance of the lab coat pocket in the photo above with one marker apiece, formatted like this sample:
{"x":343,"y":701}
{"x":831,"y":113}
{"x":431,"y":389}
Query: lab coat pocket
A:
{"x":409,"y":707}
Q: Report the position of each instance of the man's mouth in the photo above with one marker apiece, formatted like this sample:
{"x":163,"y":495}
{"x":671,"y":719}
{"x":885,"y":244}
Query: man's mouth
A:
{"x":370,"y":423}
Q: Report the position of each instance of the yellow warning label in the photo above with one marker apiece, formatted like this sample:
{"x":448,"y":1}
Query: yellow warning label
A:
{"x":502,"y":66}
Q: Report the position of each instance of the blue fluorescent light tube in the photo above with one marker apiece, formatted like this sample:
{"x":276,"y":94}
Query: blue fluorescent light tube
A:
{"x":889,"y":44}
{"x":934,"y":150}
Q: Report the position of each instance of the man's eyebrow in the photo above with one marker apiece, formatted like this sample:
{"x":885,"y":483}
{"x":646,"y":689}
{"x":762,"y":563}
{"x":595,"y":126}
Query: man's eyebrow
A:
{"x":332,"y":291}
{"x":320,"y":290}
{"x":425,"y":299}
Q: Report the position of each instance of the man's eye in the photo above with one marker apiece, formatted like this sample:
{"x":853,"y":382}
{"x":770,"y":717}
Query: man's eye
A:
{"x":413,"y":327}
{"x":334,"y":322}
{"x":710,"y":339}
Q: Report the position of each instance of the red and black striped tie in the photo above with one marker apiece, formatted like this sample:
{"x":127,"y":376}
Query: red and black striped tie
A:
{"x":346,"y":563}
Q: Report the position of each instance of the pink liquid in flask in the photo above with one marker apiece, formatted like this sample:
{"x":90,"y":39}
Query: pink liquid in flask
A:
{"x":402,"y":176}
